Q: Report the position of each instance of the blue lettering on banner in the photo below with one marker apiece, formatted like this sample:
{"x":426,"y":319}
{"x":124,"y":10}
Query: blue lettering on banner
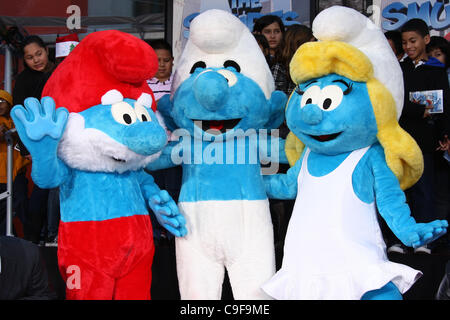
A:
{"x":239,"y":6}
{"x":397,"y":14}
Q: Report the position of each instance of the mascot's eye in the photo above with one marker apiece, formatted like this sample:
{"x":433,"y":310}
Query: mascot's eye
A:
{"x":331,"y":98}
{"x":198,"y":64}
{"x":123,"y":113}
{"x":311,"y":96}
{"x":233,"y":64}
{"x":141,"y":112}
{"x":229,"y":75}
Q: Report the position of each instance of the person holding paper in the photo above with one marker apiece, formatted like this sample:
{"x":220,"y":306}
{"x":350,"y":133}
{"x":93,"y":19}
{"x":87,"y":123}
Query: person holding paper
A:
{"x":423,"y":73}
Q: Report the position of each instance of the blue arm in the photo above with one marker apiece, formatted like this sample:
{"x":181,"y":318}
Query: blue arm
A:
{"x":283,"y":186}
{"x":391,"y":203}
{"x":165,"y":109}
{"x":162,"y":205}
{"x":40,"y":128}
{"x":166,"y":159}
{"x":277,"y":103}
{"x":271,"y":149}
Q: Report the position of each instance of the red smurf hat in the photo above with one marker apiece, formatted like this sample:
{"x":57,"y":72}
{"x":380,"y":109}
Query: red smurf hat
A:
{"x":65,"y":44}
{"x":103,"y":61}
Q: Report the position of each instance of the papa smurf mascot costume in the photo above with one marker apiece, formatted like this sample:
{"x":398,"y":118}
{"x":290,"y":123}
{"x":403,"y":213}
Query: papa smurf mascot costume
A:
{"x":223,"y":93}
{"x":356,"y":160}
{"x":96,"y":155}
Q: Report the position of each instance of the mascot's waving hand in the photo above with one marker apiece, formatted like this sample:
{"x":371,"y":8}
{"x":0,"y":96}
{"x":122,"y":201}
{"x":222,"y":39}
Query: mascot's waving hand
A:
{"x":357,"y":159}
{"x":96,"y":154}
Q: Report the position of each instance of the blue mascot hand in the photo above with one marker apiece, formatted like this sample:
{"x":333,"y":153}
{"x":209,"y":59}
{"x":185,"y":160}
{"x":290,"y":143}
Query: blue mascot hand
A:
{"x":422,"y":233}
{"x":167,"y":214}
{"x":165,"y":109}
{"x":277,"y":102}
{"x":37,"y":120}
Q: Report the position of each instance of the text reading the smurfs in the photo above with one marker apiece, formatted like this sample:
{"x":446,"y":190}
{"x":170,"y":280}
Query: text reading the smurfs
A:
{"x":225,"y":310}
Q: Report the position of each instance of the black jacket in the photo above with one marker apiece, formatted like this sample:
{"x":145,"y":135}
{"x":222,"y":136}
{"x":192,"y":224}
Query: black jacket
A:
{"x":22,"y":275}
{"x":29,"y":83}
{"x":427,"y":132}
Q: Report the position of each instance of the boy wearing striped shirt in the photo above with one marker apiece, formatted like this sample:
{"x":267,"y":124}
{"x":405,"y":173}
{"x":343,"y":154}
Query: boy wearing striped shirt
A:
{"x":162,"y":81}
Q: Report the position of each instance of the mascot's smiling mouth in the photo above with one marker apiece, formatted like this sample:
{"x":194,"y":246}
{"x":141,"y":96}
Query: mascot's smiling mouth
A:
{"x":217,"y":125}
{"x":326,"y":137}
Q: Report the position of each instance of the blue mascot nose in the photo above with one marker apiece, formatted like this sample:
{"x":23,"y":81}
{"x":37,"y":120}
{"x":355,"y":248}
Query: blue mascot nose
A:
{"x":145,"y":138}
{"x":311,"y":114}
{"x":211,"y":90}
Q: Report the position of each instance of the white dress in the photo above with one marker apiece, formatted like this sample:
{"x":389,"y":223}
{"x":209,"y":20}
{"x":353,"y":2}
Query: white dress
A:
{"x":334,"y":247}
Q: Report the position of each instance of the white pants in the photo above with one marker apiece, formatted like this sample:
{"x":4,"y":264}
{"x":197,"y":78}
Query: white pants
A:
{"x":236,"y":235}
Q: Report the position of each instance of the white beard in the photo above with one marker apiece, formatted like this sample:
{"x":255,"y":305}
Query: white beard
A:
{"x":89,"y":149}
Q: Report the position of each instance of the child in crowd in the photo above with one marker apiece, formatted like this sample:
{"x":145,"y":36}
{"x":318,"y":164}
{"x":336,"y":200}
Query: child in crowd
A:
{"x":439,"y":49}
{"x":271,"y":27}
{"x":19,"y":165}
{"x":162,"y":81}
{"x":422,"y":72}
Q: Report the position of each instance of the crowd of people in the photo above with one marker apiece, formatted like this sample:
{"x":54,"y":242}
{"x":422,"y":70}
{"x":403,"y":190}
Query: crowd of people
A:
{"x":425,"y":63}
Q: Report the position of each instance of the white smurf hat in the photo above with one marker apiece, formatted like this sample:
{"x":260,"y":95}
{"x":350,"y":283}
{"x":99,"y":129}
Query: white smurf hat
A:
{"x":217,"y":36}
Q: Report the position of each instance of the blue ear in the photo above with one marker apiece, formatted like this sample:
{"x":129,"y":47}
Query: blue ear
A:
{"x":165,"y":107}
{"x":277,"y":104}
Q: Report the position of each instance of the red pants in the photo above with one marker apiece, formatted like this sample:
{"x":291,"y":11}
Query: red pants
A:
{"x":103,"y":260}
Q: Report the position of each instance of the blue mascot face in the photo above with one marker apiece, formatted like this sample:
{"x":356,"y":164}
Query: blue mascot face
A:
{"x":219,"y":101}
{"x":128,"y":123}
{"x":332,"y":115}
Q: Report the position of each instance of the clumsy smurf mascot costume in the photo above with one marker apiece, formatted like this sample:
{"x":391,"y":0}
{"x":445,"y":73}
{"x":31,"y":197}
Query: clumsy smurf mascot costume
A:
{"x":223,"y":93}
{"x":96,"y":154}
{"x":356,"y":160}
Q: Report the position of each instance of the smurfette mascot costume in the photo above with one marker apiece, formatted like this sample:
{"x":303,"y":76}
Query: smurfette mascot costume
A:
{"x":350,"y":157}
